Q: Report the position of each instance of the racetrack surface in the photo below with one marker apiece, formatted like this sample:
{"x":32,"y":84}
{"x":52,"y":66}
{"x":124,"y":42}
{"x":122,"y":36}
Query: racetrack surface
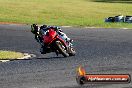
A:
{"x":103,"y":51}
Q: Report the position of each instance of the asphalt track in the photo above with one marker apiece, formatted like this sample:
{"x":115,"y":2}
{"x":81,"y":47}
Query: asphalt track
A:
{"x":103,"y":51}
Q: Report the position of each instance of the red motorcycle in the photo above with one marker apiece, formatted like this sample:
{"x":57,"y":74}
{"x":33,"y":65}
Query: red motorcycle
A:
{"x":55,"y":43}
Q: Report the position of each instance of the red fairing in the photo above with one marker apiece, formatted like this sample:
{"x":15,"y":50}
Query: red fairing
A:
{"x":49,"y":36}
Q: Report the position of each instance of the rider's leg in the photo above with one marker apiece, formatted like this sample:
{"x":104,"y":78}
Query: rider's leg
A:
{"x":43,"y":50}
{"x":43,"y":47}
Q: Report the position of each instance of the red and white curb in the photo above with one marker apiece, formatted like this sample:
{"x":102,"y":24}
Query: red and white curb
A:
{"x":26,"y":56}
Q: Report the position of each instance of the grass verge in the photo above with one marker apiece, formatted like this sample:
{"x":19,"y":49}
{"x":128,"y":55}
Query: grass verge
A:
{"x":9,"y":55}
{"x":64,"y":12}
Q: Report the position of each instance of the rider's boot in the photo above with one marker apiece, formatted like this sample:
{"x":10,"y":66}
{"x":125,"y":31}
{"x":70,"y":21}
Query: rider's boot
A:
{"x":43,"y":50}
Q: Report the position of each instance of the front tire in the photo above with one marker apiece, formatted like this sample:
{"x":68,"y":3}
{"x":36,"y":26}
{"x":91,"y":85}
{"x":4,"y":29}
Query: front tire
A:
{"x":72,"y":52}
{"x":61,"y":48}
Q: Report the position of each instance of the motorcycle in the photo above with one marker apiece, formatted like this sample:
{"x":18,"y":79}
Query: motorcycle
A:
{"x":55,"y":43}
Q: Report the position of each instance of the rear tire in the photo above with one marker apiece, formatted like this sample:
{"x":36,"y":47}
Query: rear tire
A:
{"x":61,"y":48}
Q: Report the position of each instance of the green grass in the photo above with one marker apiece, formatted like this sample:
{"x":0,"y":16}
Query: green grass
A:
{"x":10,"y":55}
{"x":64,"y":12}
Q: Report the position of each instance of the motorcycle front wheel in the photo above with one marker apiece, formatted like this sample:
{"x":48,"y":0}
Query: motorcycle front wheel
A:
{"x":72,"y":52}
{"x":61,"y":48}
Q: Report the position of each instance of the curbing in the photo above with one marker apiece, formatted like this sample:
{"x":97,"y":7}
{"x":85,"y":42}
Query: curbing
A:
{"x":4,"y":60}
{"x":90,"y":27}
{"x":26,"y":56}
{"x":60,"y":26}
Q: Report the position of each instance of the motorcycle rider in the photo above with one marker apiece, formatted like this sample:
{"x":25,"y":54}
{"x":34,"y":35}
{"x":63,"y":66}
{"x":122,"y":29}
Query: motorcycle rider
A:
{"x":41,"y":31}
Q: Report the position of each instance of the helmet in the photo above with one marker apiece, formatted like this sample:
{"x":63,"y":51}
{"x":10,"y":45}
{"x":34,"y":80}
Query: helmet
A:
{"x":34,"y":28}
{"x":43,"y":26}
